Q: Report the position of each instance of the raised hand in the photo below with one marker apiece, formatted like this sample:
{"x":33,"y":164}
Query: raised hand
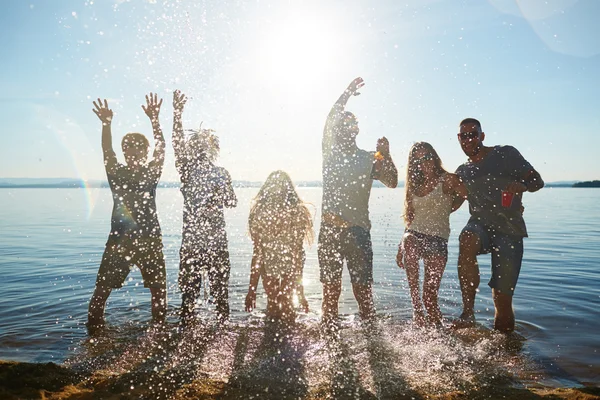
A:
{"x":383,"y":146}
{"x":152,"y":107}
{"x":179,"y":100}
{"x":104,"y":113}
{"x":354,"y":86}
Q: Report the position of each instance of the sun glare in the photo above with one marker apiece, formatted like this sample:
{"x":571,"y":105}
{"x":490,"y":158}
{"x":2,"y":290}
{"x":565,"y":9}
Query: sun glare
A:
{"x":298,"y":50}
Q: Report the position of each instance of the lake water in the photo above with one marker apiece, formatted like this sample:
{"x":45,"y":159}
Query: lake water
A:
{"x":51,"y":242}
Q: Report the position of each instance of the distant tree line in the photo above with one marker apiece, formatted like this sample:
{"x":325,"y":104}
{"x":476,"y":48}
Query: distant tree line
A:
{"x":587,"y":184}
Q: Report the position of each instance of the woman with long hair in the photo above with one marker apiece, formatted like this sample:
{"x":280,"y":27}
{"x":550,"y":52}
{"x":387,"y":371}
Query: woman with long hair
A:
{"x":431,"y":194}
{"x":279,"y":223}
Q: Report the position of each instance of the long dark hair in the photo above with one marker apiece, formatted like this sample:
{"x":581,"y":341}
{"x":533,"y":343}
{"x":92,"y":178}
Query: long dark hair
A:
{"x":278,"y":196}
{"x":414,"y":177}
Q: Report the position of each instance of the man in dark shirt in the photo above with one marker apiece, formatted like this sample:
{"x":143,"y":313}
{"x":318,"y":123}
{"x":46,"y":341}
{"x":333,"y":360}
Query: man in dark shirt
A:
{"x":496,"y":178}
{"x":135,"y":236}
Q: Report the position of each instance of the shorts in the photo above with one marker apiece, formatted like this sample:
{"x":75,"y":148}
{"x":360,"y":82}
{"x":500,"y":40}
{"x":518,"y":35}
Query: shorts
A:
{"x":507,"y":255}
{"x":352,"y":244}
{"x":122,"y":252}
{"x":428,"y":245}
{"x":194,"y":262}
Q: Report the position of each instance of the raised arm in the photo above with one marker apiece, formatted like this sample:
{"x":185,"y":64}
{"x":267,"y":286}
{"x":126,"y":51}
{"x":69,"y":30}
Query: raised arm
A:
{"x":152,"y":109}
{"x":384,"y":168}
{"x":179,"y":100}
{"x":336,"y":113}
{"x":105,"y":115}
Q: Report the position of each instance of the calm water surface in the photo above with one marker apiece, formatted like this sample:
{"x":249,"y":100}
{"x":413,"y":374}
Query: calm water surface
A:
{"x":51,"y":242}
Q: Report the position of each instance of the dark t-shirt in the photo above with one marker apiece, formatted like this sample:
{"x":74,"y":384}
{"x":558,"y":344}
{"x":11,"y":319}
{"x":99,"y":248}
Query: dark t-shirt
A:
{"x":485,"y":181}
{"x":134,"y":201}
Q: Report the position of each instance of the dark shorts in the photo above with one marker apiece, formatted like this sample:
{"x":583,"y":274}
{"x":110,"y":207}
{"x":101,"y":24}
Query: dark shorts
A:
{"x":351,"y":244}
{"x":507,"y":254}
{"x":194,"y":264}
{"x":428,"y":245}
{"x":123,"y":252}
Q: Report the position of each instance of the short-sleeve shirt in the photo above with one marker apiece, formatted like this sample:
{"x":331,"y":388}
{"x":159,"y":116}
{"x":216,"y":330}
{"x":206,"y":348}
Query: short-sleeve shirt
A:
{"x":134,"y":201}
{"x":347,"y":182}
{"x":205,"y":192}
{"x":485,"y":181}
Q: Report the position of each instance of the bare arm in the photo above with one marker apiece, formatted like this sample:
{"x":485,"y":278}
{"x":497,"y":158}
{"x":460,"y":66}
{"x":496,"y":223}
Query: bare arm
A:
{"x":229,"y":199}
{"x":105,"y":115}
{"x":455,"y":187}
{"x":254,"y":279}
{"x":179,"y":100}
{"x":152,"y":109}
{"x":384,"y":168}
{"x":336,"y":113}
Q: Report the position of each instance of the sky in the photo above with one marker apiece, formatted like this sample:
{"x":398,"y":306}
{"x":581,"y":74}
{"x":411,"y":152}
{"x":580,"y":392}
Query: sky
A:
{"x":264,"y":74}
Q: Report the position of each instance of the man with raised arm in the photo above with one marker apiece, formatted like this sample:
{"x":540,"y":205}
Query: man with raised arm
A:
{"x":135,"y":235}
{"x":207,"y":189}
{"x":496,"y":178}
{"x":348,"y":174}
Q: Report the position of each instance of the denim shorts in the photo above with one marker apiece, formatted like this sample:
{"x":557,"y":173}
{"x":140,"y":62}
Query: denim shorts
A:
{"x":507,"y":255}
{"x":428,"y":245}
{"x":122,"y":252}
{"x":352,"y":244}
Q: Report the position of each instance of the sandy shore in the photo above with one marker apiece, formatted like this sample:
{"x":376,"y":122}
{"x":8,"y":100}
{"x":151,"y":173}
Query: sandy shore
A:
{"x":52,"y":382}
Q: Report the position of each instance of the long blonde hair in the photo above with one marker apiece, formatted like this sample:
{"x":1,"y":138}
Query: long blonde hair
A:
{"x":414,"y":177}
{"x":278,"y":198}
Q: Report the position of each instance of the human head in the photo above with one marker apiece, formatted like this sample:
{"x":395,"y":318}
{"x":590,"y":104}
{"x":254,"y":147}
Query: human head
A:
{"x":347,"y":128}
{"x":471,"y":136}
{"x":278,"y":189}
{"x":422,"y":157}
{"x":135,"y":149}
{"x":203,"y":145}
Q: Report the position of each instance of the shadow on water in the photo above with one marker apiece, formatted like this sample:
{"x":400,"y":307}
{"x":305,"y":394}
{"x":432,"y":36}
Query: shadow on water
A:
{"x":275,"y":369}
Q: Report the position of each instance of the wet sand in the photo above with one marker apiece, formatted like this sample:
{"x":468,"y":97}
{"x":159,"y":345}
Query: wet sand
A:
{"x":52,"y":382}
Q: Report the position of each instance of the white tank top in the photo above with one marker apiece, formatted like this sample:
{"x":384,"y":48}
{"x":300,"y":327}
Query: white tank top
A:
{"x":432,"y":212}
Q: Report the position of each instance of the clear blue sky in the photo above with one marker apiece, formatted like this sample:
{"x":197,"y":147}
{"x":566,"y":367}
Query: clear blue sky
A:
{"x":264,"y":74}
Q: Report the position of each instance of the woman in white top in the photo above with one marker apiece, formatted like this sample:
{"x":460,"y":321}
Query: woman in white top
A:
{"x":279,"y":223}
{"x":432,"y":194}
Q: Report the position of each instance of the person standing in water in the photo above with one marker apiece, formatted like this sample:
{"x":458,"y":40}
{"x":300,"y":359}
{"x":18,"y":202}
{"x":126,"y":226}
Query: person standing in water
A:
{"x":135,"y":235}
{"x":496,"y":178}
{"x":431,"y":194}
{"x":206,"y":190}
{"x":348,"y":174}
{"x":279,"y":223}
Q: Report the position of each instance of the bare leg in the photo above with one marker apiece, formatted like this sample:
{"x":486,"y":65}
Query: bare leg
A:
{"x":272,"y":289}
{"x":468,"y":274}
{"x":188,"y":301}
{"x":159,"y":304}
{"x":363,"y":294}
{"x":219,"y":287}
{"x":96,"y":308}
{"x":411,"y":265}
{"x":331,"y":297}
{"x":434,"y":269}
{"x":504,"y":318}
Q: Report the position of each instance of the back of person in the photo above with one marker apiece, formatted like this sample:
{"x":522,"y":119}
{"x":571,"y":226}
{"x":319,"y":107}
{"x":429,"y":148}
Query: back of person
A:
{"x":134,"y":201}
{"x":204,"y":197}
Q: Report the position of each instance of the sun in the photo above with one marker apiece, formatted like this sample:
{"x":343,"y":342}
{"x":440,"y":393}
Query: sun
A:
{"x":296,"y":49}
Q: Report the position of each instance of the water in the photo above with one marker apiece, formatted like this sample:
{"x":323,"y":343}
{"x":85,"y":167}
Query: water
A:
{"x":51,"y":241}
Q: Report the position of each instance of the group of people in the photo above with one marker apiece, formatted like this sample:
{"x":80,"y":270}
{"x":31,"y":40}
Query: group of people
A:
{"x":492,"y":180}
